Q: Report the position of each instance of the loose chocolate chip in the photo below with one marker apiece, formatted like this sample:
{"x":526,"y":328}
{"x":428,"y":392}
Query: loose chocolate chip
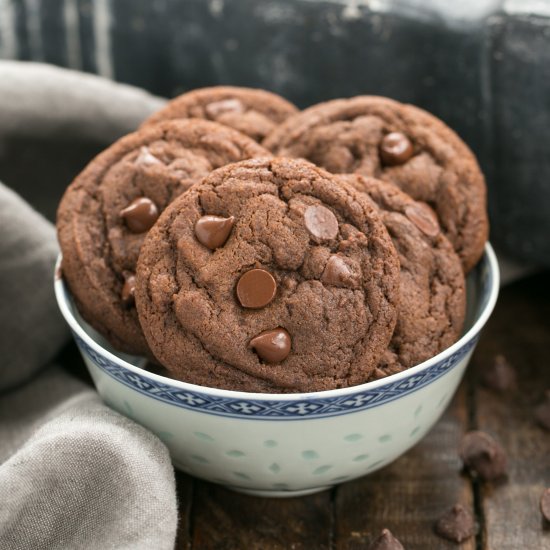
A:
{"x":457,"y":524}
{"x":386,"y":541}
{"x":128,"y":289}
{"x":424,"y":218}
{"x":321,"y":222}
{"x":140,"y":215}
{"x":483,"y":456}
{"x":256,"y":288}
{"x":499,"y":376}
{"x":338,"y":273}
{"x":218,"y":108}
{"x":396,"y":148}
{"x":545,"y":504}
{"x":213,"y":231}
{"x":273,"y":346}
{"x":542,"y":412}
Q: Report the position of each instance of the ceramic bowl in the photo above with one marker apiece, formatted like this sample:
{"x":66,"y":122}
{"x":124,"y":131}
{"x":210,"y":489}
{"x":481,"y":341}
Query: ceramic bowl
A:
{"x":280,"y":444}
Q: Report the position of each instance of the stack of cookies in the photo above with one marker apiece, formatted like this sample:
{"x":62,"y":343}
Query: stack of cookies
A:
{"x":242,"y":244}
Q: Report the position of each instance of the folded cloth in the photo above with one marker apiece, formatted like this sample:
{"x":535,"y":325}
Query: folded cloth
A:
{"x":73,"y":473}
{"x":32,"y":329}
{"x":77,"y":475}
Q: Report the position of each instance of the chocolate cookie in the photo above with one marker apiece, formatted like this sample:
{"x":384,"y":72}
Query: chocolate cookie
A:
{"x":433,"y":297}
{"x":379,"y":137}
{"x":253,"y":112}
{"x":269,"y":276}
{"x":106,"y":212}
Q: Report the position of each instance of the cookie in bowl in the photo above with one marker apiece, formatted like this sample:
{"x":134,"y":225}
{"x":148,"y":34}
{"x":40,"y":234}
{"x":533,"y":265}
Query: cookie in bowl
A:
{"x":106,"y":212}
{"x":432,"y":286}
{"x":269,"y":276}
{"x":251,"y":111}
{"x":400,"y":143}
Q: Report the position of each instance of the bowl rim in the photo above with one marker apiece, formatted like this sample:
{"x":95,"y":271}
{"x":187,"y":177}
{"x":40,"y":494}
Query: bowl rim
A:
{"x":62,"y":294}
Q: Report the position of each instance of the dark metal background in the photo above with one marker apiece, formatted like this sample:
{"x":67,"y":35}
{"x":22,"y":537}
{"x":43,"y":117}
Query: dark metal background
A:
{"x":482,"y":66}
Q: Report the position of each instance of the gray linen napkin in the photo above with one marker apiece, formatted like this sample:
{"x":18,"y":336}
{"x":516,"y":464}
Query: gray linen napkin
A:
{"x":73,"y":473}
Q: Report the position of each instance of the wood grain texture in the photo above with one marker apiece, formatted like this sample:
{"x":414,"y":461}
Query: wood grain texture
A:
{"x":410,"y":494}
{"x":226,"y":520}
{"x":519,"y":329}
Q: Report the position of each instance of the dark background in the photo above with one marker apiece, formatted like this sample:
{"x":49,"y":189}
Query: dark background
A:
{"x":482,"y":66}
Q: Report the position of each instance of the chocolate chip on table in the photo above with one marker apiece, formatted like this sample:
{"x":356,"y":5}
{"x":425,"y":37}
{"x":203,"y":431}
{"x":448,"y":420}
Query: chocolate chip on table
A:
{"x":424,"y":218}
{"x":128,"y":289}
{"x":395,"y":148}
{"x":321,"y":222}
{"x":273,"y":346}
{"x":483,"y":457}
{"x":457,"y":524}
{"x":213,"y":231}
{"x":545,"y":504}
{"x":500,"y":375}
{"x":140,"y":215}
{"x":542,"y":412}
{"x":386,"y":541}
{"x":256,"y":288}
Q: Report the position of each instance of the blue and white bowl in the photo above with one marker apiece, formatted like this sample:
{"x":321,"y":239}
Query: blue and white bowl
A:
{"x":286,"y":444}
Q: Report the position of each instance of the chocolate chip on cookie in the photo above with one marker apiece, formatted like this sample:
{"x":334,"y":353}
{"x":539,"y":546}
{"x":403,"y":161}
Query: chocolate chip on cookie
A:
{"x":433,"y":296}
{"x":400,"y":143}
{"x":280,"y":306}
{"x":251,"y":111}
{"x":107,"y":211}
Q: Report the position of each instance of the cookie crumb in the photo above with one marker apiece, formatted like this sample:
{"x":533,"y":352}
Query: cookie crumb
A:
{"x":457,"y":524}
{"x":483,"y":456}
{"x":386,"y":541}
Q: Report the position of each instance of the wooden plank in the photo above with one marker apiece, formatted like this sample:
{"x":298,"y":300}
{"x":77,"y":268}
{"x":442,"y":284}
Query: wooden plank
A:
{"x":184,"y":489}
{"x":409,"y":495}
{"x":226,"y":520}
{"x":519,"y":329}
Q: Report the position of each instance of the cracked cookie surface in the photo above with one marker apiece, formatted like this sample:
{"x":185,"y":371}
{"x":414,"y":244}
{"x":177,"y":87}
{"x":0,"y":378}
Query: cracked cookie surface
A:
{"x":106,"y":212}
{"x":432,"y":287}
{"x":400,"y":143}
{"x":253,"y":112}
{"x":301,"y":293}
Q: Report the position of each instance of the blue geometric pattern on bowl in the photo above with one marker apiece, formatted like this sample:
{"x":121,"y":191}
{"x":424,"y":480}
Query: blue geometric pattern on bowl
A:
{"x":272,"y":410}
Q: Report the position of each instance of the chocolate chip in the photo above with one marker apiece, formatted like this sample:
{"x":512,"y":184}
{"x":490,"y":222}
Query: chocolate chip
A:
{"x":483,"y":456}
{"x":128,"y":289}
{"x":273,"y":346}
{"x":218,"y":108}
{"x":542,"y":412}
{"x":386,"y":541}
{"x":321,"y":222}
{"x":424,"y":218}
{"x":396,"y":148}
{"x":256,"y":288}
{"x":338,"y":273}
{"x":213,"y":231}
{"x":457,"y":524}
{"x":545,"y":504}
{"x":499,"y":376}
{"x":145,"y":157}
{"x":140,"y":215}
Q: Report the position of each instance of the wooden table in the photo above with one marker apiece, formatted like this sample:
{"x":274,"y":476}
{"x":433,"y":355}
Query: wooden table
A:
{"x":408,"y":495}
